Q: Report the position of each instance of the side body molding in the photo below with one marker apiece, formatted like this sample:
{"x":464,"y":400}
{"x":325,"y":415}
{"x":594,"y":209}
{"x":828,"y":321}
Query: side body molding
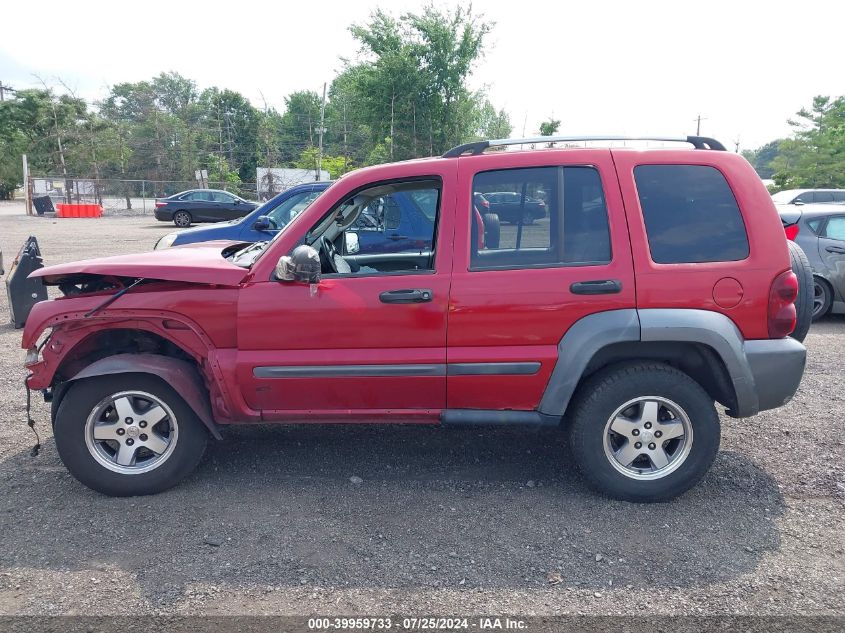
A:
{"x":179,"y":374}
{"x":577,"y":348}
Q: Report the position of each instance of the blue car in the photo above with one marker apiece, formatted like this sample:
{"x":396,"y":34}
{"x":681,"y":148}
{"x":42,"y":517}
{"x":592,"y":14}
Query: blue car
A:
{"x":262,"y":224}
{"x":399,"y":222}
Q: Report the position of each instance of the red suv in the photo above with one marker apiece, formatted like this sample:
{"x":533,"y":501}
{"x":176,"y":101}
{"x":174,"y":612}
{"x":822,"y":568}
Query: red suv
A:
{"x":656,"y":284}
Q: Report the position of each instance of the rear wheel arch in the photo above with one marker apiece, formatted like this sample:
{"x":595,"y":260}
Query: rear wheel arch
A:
{"x":696,"y":360}
{"x":706,"y":346}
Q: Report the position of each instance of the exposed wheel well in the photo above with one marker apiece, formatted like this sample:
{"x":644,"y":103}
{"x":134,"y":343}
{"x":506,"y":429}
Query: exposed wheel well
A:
{"x":700,"y":362}
{"x":111,"y":342}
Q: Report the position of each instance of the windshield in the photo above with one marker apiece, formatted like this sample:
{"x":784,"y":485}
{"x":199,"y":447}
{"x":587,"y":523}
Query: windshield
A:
{"x":280,"y":217}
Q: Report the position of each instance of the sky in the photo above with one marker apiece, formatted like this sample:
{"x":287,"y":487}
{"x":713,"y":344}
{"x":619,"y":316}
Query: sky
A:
{"x":600,"y":67}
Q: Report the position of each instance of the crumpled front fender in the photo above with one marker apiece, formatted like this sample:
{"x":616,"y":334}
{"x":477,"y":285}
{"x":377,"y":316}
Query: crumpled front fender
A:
{"x":179,"y":374}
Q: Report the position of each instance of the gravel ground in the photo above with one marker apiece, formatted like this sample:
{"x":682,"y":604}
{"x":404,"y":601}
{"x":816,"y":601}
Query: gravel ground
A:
{"x":326,"y":520}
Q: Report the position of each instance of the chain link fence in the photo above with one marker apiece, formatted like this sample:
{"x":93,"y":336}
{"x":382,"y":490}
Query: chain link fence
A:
{"x":122,"y":197}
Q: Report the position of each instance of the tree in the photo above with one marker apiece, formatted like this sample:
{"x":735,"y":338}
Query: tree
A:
{"x":815,"y":155}
{"x":550,"y":127}
{"x":762,"y":157}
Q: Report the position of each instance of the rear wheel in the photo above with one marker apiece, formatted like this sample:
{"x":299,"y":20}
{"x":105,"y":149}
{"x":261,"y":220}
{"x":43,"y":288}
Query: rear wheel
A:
{"x":822,"y":298}
{"x":128,"y":434}
{"x":805,"y":301}
{"x":182,"y":219}
{"x":643,"y":432}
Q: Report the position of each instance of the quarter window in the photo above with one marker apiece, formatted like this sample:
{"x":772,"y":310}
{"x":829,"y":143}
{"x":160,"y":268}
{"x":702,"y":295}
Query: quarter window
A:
{"x":690,"y":214}
{"x":539,"y":216}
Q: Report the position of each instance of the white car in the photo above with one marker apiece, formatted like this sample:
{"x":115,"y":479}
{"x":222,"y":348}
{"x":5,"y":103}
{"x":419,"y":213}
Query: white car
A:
{"x":809,"y":196}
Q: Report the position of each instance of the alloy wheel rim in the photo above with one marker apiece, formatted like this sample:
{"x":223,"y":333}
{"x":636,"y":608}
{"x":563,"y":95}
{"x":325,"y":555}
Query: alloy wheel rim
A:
{"x":648,"y":438}
{"x":182,"y":219}
{"x":818,"y":298}
{"x":131,"y":432}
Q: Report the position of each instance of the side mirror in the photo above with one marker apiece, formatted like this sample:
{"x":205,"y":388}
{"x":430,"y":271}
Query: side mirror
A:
{"x":302,"y":266}
{"x":798,"y":203}
{"x":262,"y":223}
{"x":351,"y":243}
{"x":237,"y":201}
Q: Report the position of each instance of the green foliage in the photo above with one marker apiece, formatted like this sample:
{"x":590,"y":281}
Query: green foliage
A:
{"x":815,"y":155}
{"x":550,"y":127}
{"x":404,"y":96}
{"x":335,"y":165}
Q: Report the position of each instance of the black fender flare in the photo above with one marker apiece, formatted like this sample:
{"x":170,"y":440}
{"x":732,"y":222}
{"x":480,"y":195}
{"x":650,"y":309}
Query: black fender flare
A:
{"x":179,"y":374}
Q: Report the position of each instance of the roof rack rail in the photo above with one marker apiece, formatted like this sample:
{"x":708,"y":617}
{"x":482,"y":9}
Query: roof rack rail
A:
{"x":478,"y":147}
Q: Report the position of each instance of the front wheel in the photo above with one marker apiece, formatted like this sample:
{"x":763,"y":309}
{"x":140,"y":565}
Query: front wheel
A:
{"x":128,"y":434}
{"x":643,"y":432}
{"x":182,"y":219}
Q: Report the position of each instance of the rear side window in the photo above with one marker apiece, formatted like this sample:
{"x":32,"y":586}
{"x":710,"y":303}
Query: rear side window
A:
{"x":691,"y":214}
{"x":823,"y":196}
{"x":835,"y":228}
{"x":539,"y":216}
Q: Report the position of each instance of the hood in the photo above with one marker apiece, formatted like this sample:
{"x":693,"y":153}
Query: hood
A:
{"x":201,"y":263}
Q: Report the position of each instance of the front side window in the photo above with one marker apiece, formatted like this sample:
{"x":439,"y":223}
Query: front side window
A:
{"x":218,"y":196}
{"x":823,"y":196}
{"x":808,"y":197}
{"x":690,"y":214}
{"x":539,"y":216}
{"x":386,"y":228}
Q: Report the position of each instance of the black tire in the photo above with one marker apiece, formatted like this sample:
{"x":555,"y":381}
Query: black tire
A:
{"x":492,"y":230}
{"x":804,"y":302}
{"x":607,"y":390}
{"x":527,"y":218}
{"x":182,"y":219}
{"x":822,"y":298}
{"x":81,"y":401}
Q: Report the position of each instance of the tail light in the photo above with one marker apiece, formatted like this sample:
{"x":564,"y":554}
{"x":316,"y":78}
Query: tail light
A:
{"x":791,"y":231}
{"x":160,"y":204}
{"x":782,"y":295}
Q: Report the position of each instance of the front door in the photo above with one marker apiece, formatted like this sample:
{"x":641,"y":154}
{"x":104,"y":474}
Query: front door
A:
{"x":512,"y":303}
{"x":369,"y":340}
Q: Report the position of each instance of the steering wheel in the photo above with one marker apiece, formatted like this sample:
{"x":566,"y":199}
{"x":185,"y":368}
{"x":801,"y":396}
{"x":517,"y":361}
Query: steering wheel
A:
{"x":331,"y":259}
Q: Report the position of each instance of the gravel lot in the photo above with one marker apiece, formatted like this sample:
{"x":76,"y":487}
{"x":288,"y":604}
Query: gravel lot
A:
{"x":443,"y":522}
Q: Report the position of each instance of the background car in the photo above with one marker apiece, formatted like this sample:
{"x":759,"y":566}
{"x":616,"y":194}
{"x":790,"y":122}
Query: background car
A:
{"x":387,"y":225}
{"x":820,"y":232}
{"x":201,"y":205}
{"x":809,"y":196}
{"x":509,"y":206}
{"x":261,"y":224}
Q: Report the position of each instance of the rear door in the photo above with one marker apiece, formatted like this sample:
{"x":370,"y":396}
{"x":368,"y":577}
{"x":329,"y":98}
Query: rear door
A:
{"x":510,"y":306}
{"x":832,"y":252}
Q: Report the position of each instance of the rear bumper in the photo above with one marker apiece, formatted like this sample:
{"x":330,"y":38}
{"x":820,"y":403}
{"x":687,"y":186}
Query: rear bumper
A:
{"x":163,"y":216}
{"x":776,"y":368}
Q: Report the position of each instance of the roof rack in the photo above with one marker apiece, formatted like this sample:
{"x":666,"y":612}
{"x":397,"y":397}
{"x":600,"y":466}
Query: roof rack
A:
{"x":478,"y":147}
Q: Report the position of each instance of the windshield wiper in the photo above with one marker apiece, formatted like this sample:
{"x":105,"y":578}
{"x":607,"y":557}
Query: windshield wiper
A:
{"x":117,"y":295}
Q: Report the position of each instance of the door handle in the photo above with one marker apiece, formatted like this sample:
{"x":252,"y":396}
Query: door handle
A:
{"x":409,"y":295}
{"x":597,"y":287}
{"x":835,"y":249}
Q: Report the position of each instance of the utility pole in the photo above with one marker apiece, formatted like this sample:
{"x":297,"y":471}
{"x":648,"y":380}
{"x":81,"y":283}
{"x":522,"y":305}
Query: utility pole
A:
{"x":3,"y":90}
{"x":322,"y":130}
{"x":698,"y":121}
